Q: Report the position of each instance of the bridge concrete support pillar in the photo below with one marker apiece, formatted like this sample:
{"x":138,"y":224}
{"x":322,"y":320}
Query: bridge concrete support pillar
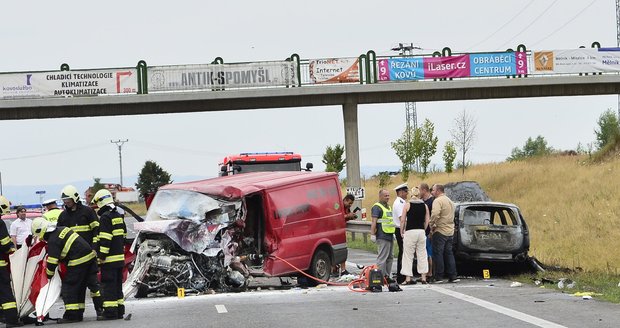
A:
{"x":351,"y":146}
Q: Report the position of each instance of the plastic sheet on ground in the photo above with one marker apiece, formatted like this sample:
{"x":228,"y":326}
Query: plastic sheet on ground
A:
{"x":581,"y":294}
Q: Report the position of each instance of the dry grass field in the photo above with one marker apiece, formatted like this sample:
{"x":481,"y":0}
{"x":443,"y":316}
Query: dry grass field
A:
{"x":570,"y":204}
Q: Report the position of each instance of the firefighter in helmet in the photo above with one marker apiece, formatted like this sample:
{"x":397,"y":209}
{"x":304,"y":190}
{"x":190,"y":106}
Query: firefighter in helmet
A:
{"x":7,"y":299}
{"x":83,"y":220}
{"x":66,"y":246}
{"x":111,"y":246}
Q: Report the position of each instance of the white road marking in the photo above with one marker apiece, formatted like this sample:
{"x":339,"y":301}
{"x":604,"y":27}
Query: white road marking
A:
{"x":498,"y":308}
{"x":221,"y":308}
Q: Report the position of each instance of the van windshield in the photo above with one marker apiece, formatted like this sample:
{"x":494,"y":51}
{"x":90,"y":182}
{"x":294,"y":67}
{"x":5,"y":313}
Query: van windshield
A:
{"x":191,"y":205}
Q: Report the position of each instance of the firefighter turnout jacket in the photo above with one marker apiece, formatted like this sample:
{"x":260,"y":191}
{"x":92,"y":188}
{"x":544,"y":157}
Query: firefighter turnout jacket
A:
{"x":112,"y":232}
{"x":6,"y":245}
{"x":82,"y":220}
{"x":65,"y":245}
{"x":8,"y":306}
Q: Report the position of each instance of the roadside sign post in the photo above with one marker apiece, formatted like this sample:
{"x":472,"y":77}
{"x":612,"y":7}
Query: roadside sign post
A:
{"x":358,"y":192}
{"x":40,"y":193}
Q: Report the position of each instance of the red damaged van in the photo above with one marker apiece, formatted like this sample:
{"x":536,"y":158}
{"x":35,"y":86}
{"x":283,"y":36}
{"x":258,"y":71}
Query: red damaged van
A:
{"x":216,"y":233}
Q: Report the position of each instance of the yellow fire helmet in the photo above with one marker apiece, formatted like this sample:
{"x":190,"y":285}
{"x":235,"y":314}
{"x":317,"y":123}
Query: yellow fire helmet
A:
{"x":70,"y":192}
{"x":5,"y":205}
{"x":102,"y":198}
{"x":40,"y":226}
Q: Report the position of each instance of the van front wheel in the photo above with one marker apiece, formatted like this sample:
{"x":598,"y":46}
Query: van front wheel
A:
{"x":321,"y":266}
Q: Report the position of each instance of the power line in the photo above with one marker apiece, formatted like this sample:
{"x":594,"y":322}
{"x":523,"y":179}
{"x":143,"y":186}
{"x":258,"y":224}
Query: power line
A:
{"x":501,"y":27}
{"x":530,"y":24}
{"x":52,"y":153}
{"x":567,"y":22}
{"x":178,"y":149}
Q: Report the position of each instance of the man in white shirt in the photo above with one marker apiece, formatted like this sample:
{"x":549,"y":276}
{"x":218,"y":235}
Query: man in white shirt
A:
{"x":397,"y":209}
{"x":20,"y":228}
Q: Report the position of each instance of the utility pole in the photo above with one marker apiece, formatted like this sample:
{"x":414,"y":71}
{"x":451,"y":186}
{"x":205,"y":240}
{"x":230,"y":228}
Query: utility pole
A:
{"x":119,"y":143}
{"x":411,"y":114}
{"x":618,"y":39}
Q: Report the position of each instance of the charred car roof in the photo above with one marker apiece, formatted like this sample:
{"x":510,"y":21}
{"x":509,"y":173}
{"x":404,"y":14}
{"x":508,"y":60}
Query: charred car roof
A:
{"x":237,"y":186}
{"x":477,"y":203}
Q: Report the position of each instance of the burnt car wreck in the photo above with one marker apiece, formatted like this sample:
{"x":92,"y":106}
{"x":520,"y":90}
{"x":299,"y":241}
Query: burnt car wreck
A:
{"x":195,"y":242}
{"x":487,"y":231}
{"x":490,"y":231}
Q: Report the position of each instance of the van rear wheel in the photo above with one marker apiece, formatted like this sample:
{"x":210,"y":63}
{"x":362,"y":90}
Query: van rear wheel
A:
{"x":321,"y":267}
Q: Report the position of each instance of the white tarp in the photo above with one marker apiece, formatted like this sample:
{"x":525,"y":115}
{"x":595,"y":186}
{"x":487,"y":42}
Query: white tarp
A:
{"x":334,"y":70}
{"x":583,"y":60}
{"x":18,"y":270}
{"x":48,"y":296}
{"x":214,"y":76}
{"x":68,"y":83}
{"x":36,"y":255}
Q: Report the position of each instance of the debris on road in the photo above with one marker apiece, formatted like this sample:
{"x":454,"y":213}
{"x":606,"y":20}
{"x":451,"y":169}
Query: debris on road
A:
{"x":586,"y":295}
{"x":347,"y":278}
{"x":566,"y":283}
{"x":516,"y":284}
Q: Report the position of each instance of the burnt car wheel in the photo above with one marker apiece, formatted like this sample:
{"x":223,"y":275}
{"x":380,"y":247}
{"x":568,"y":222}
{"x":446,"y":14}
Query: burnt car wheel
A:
{"x":321,"y":266}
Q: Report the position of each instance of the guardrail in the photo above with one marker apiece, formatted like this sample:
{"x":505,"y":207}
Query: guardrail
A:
{"x":359,"y":227}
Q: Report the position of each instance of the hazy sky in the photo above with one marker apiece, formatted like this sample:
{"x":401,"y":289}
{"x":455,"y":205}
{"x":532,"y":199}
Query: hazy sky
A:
{"x":41,"y":35}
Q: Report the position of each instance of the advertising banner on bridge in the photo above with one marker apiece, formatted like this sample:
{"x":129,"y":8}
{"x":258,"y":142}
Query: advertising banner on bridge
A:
{"x":68,"y":83}
{"x":468,"y":65}
{"x":334,"y":70}
{"x":583,"y":60}
{"x":401,"y":69}
{"x":218,"y":76}
{"x":498,"y":64}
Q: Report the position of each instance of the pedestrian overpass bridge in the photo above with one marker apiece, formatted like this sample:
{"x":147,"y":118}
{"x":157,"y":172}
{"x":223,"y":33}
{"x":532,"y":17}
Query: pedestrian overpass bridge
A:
{"x":349,"y":96}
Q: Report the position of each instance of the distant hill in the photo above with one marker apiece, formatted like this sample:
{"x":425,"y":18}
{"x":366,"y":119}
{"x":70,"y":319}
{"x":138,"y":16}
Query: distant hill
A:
{"x":27,"y":194}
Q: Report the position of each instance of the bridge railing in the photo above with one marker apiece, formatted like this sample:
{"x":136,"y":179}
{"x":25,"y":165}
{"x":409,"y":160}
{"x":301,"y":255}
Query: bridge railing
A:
{"x":367,"y":68}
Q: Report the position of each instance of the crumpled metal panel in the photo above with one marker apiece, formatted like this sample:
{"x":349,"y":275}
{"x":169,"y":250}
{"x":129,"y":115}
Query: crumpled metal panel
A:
{"x":192,"y":220}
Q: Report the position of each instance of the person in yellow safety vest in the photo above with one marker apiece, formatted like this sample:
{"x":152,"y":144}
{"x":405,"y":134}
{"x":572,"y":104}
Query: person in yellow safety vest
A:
{"x":52,"y":212}
{"x":382,"y":231}
{"x":66,"y":246}
{"x":7,"y":299}
{"x":111,"y":253}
